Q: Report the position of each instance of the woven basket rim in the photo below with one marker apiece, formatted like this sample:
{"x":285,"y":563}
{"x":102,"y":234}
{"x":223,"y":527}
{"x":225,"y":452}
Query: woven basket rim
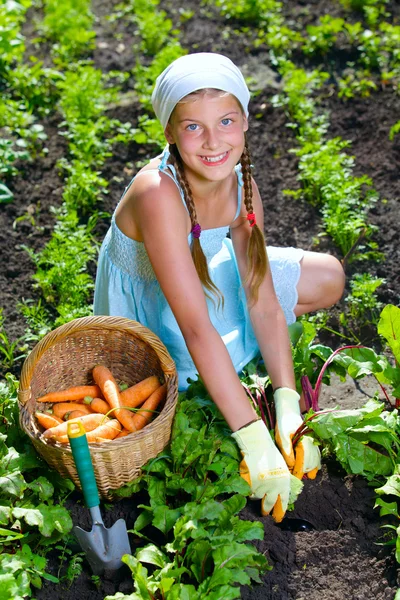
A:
{"x":82,"y":324}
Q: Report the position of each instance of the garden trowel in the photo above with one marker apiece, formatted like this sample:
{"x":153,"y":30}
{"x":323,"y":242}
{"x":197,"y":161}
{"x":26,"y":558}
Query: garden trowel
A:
{"x":104,"y":547}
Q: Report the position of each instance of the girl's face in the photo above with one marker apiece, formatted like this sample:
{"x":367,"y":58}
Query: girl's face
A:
{"x":209,"y":134}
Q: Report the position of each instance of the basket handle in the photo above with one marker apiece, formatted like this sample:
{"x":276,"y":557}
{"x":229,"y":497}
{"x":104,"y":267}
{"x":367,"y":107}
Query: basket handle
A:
{"x":96,"y":322}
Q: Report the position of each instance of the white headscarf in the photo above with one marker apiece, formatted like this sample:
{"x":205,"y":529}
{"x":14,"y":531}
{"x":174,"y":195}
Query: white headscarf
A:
{"x":194,"y":72}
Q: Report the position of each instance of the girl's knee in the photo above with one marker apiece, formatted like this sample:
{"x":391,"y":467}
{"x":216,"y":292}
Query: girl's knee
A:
{"x":321,"y":282}
{"x":333,"y":279}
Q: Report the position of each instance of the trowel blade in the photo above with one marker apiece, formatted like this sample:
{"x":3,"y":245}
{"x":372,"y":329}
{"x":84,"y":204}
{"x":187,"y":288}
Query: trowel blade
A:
{"x":104,"y":547}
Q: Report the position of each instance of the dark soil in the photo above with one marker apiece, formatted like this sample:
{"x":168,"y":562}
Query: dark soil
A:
{"x":339,"y":558}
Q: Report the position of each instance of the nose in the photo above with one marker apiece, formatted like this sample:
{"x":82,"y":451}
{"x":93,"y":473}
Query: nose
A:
{"x":211,"y":139}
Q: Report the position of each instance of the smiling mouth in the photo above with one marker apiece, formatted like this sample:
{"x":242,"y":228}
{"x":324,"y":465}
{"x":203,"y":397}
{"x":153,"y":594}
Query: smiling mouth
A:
{"x":215,"y":159}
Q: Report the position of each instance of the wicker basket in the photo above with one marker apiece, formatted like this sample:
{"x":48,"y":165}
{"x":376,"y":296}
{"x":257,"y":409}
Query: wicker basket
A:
{"x":65,"y":357}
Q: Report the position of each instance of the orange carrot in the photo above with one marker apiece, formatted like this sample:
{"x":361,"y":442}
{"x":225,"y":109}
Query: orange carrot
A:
{"x":71,"y":394}
{"x":108,"y":431}
{"x":104,"y":433}
{"x":98,"y":405}
{"x":123,"y":433}
{"x":146,"y":413}
{"x":136,"y":394}
{"x":89,"y":423}
{"x":47,"y":420}
{"x":109,"y":388}
{"x":59,"y":410}
{"x":74,"y":414}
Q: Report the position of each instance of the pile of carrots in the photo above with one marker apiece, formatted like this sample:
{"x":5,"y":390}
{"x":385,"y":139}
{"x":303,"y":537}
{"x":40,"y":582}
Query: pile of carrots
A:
{"x":103,"y":409}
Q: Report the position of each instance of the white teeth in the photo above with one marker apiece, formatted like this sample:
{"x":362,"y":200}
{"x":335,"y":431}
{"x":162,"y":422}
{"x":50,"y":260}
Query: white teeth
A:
{"x":214,"y":158}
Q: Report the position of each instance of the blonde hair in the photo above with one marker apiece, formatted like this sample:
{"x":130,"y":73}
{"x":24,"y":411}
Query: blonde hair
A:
{"x":257,"y":259}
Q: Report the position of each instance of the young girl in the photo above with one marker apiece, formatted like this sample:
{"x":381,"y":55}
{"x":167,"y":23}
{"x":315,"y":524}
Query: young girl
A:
{"x":215,"y":302}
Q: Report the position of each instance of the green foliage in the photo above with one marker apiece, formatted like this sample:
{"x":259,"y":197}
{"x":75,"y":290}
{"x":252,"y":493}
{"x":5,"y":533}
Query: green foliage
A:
{"x":280,"y":38}
{"x":6,"y":195}
{"x":356,"y":84}
{"x":325,"y":171}
{"x":70,"y":562}
{"x":31,"y":504}
{"x":391,"y":488}
{"x":38,"y":323}
{"x":322,"y":37}
{"x":62,"y":266}
{"x":195,"y":495}
{"x":10,"y":153}
{"x":372,"y":9}
{"x":34,"y":85}
{"x":12,"y":46}
{"x":83,"y":97}
{"x":364,"y":440}
{"x":389,"y":329}
{"x":394,"y":130}
{"x":83,"y":188}
{"x":363,"y":307}
{"x":153,"y":26}
{"x":7,"y":348}
{"x":69,"y":25}
{"x":256,"y":12}
{"x":20,"y":571}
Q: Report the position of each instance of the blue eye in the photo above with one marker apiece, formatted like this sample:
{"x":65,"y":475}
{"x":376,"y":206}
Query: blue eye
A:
{"x":192,"y":127}
{"x":226,"y":121}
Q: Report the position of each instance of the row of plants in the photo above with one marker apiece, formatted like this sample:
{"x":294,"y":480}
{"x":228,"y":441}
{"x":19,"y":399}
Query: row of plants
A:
{"x":33,"y":517}
{"x":325,"y":169}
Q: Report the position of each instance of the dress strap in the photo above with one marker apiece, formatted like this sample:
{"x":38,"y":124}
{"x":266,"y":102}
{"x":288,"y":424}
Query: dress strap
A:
{"x":238,"y":169}
{"x":170,"y":170}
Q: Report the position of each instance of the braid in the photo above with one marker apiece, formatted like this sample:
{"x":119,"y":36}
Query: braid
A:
{"x":199,"y":259}
{"x":257,"y":259}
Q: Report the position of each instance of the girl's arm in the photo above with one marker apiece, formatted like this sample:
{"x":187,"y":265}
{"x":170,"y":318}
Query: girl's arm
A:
{"x":267,"y":317}
{"x":164,"y":225}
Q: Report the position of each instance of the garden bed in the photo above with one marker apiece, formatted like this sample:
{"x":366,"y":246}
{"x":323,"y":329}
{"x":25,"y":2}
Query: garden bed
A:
{"x":340,"y":557}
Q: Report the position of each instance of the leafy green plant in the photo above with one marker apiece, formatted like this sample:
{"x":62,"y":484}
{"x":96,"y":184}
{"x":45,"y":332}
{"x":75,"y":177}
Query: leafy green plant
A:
{"x":257,"y":12}
{"x":21,"y":570}
{"x":195,"y":494}
{"x":10,"y":153}
{"x":83,"y":97}
{"x":363,"y":307}
{"x":394,"y":130}
{"x":70,"y":571}
{"x":154,"y":27}
{"x":38,"y":321}
{"x":69,"y":25}
{"x":6,"y":195}
{"x":322,"y":37}
{"x":32,"y":515}
{"x":389,"y":329}
{"x":356,"y":84}
{"x":364,"y":440}
{"x":7,"y":348}
{"x":372,"y":9}
{"x":391,"y":488}
{"x":12,"y":46}
{"x":84,"y":187}
{"x":62,"y":266}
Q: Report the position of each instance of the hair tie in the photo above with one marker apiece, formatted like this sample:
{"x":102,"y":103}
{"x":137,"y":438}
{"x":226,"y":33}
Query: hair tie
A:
{"x":252,"y":218}
{"x":196,"y":230}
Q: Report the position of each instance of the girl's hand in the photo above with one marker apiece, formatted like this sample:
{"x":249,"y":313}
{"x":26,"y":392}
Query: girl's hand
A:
{"x":264,"y":469}
{"x":306,"y":457}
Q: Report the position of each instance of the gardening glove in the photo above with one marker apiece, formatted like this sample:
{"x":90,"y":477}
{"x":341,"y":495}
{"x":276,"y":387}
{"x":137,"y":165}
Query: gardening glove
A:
{"x":264,"y":469}
{"x":306,"y":457}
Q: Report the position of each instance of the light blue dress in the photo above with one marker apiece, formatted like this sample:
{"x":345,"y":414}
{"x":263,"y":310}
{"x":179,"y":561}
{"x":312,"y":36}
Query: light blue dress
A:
{"x":126,"y":286}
